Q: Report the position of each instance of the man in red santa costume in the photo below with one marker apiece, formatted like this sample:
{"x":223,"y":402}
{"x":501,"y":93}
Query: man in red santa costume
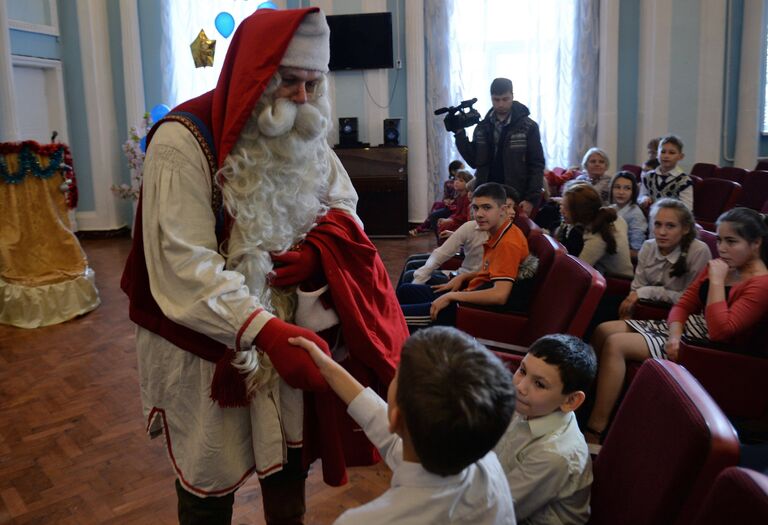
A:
{"x":244,"y":206}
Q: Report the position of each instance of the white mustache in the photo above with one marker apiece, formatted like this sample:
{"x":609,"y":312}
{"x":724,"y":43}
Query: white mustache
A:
{"x":283,"y":116}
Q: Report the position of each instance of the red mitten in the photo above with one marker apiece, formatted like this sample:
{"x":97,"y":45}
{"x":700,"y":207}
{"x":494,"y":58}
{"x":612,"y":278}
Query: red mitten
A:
{"x":295,"y":267}
{"x":292,"y":362}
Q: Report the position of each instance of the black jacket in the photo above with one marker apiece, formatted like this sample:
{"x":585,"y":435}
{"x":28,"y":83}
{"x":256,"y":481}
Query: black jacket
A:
{"x":519,"y":159}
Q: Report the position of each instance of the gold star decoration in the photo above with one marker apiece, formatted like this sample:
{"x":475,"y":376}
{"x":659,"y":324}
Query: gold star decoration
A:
{"x":203,"y":50}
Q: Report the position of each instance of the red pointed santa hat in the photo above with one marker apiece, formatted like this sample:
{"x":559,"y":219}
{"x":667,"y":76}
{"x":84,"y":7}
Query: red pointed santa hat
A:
{"x":267,"y":39}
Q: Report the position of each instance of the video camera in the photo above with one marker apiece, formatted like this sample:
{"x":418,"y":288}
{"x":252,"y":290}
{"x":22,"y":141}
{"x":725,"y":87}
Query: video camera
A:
{"x":461,"y":116}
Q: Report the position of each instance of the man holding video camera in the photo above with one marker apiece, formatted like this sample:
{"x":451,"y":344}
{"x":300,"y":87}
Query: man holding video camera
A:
{"x":506,"y":146}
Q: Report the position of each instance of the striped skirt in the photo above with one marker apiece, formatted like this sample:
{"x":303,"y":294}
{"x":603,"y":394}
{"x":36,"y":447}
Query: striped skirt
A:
{"x":656,"y":332}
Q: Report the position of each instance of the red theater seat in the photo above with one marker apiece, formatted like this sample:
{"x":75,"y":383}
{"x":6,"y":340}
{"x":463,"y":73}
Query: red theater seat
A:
{"x":634,"y":170}
{"x":738,"y":382}
{"x":563,"y":303}
{"x":730,"y":173}
{"x":739,"y":496}
{"x":711,"y":197}
{"x":754,"y":190}
{"x":667,"y":444}
{"x":703,"y":170}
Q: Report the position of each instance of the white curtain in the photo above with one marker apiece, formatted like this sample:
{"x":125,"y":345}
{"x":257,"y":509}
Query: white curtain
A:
{"x":548,"y":48}
{"x":183,"y":21}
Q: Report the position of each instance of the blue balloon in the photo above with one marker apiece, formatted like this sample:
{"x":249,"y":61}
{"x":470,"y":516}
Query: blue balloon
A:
{"x":267,"y":5}
{"x":143,"y":144}
{"x":159,"y":112}
{"x":225,"y":24}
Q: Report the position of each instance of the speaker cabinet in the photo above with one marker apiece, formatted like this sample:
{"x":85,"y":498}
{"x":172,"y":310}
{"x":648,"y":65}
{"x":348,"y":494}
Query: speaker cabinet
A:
{"x":391,"y":131}
{"x":348,"y":132}
{"x":380,"y":177}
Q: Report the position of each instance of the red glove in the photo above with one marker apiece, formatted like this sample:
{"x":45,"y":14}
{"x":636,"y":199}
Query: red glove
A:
{"x":292,"y":362}
{"x":295,"y":267}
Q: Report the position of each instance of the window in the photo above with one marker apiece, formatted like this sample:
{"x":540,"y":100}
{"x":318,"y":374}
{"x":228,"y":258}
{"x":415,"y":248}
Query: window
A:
{"x":533,"y":43}
{"x":185,"y":19}
{"x":765,"y":88}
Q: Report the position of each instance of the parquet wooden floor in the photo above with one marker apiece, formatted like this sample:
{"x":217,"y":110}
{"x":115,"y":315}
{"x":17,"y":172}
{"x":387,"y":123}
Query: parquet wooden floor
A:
{"x":72,"y":444}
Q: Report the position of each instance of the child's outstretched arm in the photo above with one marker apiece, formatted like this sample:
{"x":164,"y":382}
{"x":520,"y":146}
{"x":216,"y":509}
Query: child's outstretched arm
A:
{"x":341,"y":381}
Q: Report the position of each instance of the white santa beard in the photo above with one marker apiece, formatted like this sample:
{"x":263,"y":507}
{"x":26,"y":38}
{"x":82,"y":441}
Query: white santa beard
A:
{"x":274,"y":186}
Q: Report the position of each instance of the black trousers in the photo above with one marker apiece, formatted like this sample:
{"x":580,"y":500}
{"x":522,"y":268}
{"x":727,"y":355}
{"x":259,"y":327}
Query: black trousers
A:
{"x":282,"y":495}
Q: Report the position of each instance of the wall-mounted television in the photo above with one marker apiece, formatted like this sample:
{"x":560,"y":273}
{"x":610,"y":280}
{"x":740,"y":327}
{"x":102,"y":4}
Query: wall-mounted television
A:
{"x":362,"y":41}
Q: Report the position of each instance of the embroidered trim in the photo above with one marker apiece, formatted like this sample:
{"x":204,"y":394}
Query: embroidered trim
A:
{"x":190,"y":122}
{"x":243,"y":328}
{"x":191,"y":488}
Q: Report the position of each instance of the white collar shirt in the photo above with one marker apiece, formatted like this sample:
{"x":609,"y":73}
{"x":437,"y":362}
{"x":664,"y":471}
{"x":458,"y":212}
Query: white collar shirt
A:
{"x":652,"y":280}
{"x":548,"y":468}
{"x":479,"y":494}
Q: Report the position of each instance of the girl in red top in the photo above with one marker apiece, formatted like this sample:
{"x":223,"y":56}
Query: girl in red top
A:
{"x":727,"y":302}
{"x":460,"y":208}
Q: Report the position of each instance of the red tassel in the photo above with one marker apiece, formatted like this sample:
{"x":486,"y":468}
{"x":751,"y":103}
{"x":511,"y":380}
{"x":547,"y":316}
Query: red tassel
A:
{"x":228,"y":384}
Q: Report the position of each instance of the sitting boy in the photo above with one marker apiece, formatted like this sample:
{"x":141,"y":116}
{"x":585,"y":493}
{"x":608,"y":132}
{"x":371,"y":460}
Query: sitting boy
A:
{"x":492,"y":283}
{"x":543,"y":453}
{"x":447,"y":406}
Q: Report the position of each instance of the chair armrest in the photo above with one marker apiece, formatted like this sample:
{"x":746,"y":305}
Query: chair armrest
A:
{"x":493,"y":326}
{"x":647,"y":309}
{"x":511,"y":361}
{"x":453,"y":263}
{"x":617,"y":286}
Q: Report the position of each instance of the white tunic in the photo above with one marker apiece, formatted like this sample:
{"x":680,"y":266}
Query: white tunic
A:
{"x":213,"y":450}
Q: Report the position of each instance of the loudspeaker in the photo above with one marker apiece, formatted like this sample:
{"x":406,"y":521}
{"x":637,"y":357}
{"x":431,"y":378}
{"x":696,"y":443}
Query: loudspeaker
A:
{"x":348,"y":131}
{"x":391,"y":131}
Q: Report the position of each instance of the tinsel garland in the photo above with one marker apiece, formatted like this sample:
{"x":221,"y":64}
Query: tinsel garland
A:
{"x":28,"y":152}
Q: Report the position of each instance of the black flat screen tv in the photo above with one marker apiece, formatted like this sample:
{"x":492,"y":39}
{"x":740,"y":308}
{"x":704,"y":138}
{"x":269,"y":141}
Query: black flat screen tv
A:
{"x":362,"y":41}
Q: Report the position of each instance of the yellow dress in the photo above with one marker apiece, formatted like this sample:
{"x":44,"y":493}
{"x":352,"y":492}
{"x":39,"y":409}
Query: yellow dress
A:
{"x":44,"y":273}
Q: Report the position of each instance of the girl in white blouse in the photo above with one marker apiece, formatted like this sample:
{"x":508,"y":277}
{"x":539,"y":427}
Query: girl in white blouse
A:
{"x":667,"y":264}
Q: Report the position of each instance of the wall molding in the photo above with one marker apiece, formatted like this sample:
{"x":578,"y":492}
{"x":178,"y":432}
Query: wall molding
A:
{"x":9,"y":125}
{"x":104,"y":151}
{"x":417,"y":112}
{"x":607,"y":98}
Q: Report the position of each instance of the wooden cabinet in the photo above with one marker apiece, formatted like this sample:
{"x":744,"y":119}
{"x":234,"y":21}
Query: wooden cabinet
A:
{"x":380,"y":176}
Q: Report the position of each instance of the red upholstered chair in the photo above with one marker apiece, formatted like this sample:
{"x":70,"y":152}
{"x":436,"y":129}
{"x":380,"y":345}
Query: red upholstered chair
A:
{"x":730,"y":173}
{"x":737,"y":382}
{"x":711,"y":197}
{"x":525,"y":224}
{"x":710,"y":239}
{"x":634,"y":169}
{"x":754,"y":190}
{"x":762,"y":165}
{"x":696,"y":179}
{"x":739,"y":495}
{"x":564,"y":303}
{"x":667,"y":444}
{"x":703,"y":170}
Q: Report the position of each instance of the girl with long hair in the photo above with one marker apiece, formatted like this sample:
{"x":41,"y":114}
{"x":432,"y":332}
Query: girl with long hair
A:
{"x":669,"y":262}
{"x":726,"y":303}
{"x":605,"y":242}
{"x":624,"y":192}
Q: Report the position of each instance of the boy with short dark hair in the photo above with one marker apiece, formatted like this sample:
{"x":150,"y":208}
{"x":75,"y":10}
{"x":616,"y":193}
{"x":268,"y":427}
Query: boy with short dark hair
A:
{"x":447,"y":406}
{"x":506,"y":146}
{"x":543,"y":452}
{"x":492,"y":283}
{"x":668,"y":179}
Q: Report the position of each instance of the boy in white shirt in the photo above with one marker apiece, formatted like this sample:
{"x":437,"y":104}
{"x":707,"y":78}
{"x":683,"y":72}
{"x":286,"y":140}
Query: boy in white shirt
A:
{"x":447,"y":406}
{"x":543,"y":452}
